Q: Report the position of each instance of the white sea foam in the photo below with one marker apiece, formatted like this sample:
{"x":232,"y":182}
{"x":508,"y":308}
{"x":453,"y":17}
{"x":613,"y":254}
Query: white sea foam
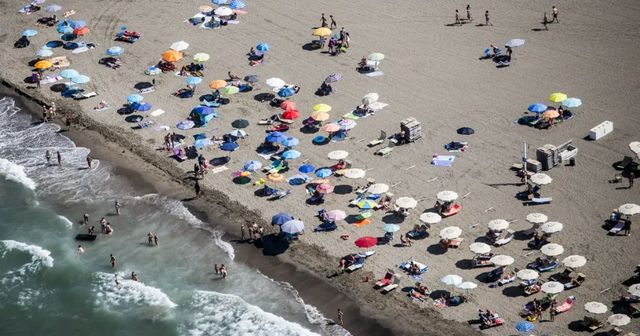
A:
{"x":224,"y":314}
{"x":127,"y":294}
{"x":39,"y":258}
{"x":15,"y":173}
{"x":68,"y":223}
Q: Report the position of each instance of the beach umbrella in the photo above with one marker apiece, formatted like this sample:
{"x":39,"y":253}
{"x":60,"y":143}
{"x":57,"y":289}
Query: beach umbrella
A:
{"x":171,"y":56}
{"x":552,"y":227}
{"x":229,"y":146}
{"x":370,"y":98}
{"x":451,"y":279}
{"x":540,"y":179}
{"x":551,"y":113}
{"x":81,"y":79}
{"x":185,"y":124}
{"x":480,"y":248}
{"x":323,"y":31}
{"x":354,"y":173}
{"x":447,"y":196}
{"x":557,"y":97}
{"x":290,"y":114}
{"x":290,"y":154}
{"x":406,"y":202}
{"x":322,"y":108}
{"x":220,"y":2}
{"x":330,"y":128}
{"x":275,"y":82}
{"x":514,"y":43}
{"x":430,"y":218}
{"x":252,"y":165}
{"x":275,"y":177}
{"x":465,"y":131}
{"x":201,"y":57}
{"x":115,"y":51}
{"x":251,"y":78}
{"x":378,"y":188}
{"x":237,"y":4}
{"x":525,"y":326}
{"x":205,"y":9}
{"x":629,"y":209}
{"x":502,"y":260}
{"x":375,"y":57}
{"x":594,"y":307}
{"x":333,"y":78}
{"x":286,"y":91}
{"x":552,"y":249}
{"x":367,"y":205}
{"x":44,"y":52}
{"x":619,"y":320}
{"x":288,"y":105}
{"x":240,"y":123}
{"x":292,"y":226}
{"x":324,"y":172}
{"x":347,"y":124}
{"x":64,"y":29}
{"x":366,"y":241}
{"x":41,"y":65}
{"x":571,"y":102}
{"x":306,"y":168}
{"x":275,"y":137}
{"x":202,"y":143}
{"x":536,"y":218}
{"x":537,"y":108}
{"x":467,"y":285}
{"x":450,"y":232}
{"x":552,"y":287}
{"x":192,"y":80}
{"x":217,"y":84}
{"x":29,"y":32}
{"x":324,"y":188}
{"x":635,"y":147}
{"x":634,"y":289}
{"x":527,"y":274}
{"x":142,"y":107}
{"x":204,"y":110}
{"x":319,"y":116}
{"x":223,"y":11}
{"x":229,"y":90}
{"x":134,"y":98}
{"x":389,"y":228}
{"x":53,"y":8}
{"x":498,"y":225}
{"x":336,"y":215}
{"x":262,"y":47}
{"x":81,"y":31}
{"x":298,"y":179}
{"x":238,"y":133}
{"x":290,"y":142}
{"x":77,"y":24}
{"x":338,"y":155}
{"x":574,"y":261}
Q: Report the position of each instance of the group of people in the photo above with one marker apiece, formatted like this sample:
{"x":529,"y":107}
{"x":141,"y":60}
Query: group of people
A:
{"x":152,"y":239}
{"x":48,"y":112}
{"x":459,"y":20}
{"x":253,"y":232}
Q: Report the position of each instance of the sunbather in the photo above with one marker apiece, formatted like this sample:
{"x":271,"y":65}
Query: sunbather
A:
{"x":405,"y":241}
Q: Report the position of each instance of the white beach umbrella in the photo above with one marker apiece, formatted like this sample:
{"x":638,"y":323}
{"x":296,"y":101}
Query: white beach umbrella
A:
{"x":498,"y":225}
{"x":629,"y":209}
{"x":527,"y":274}
{"x":44,"y":52}
{"x":552,"y":287}
{"x":370,"y":98}
{"x":375,"y":57}
{"x":338,"y":154}
{"x":480,"y":248}
{"x":540,"y":179}
{"x":537,"y":218}
{"x":292,"y":226}
{"x":275,"y":82}
{"x":574,"y":261}
{"x":634,"y":289}
{"x":514,"y":43}
{"x":552,"y":249}
{"x":467,"y":285}
{"x":619,"y":320}
{"x":179,"y":46}
{"x":223,"y":11}
{"x":635,"y":147}
{"x":594,"y":307}
{"x":552,"y":227}
{"x":450,"y":232}
{"x":451,"y":279}
{"x":430,"y":218}
{"x":354,"y":173}
{"x":502,"y":260}
{"x":378,"y":188}
{"x":406,"y":202}
{"x":447,"y":196}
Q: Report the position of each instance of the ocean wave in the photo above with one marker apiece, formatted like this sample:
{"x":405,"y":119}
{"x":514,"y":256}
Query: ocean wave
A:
{"x":39,"y":258}
{"x":15,"y":173}
{"x":128,"y":294}
{"x":225,"y":314}
{"x":68,"y":223}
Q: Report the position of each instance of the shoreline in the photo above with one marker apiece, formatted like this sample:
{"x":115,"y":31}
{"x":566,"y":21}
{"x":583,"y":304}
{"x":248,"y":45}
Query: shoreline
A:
{"x":361,"y":317}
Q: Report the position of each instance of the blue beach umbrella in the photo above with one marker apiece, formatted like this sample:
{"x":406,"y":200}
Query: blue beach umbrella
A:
{"x":53,"y":8}
{"x":537,"y":108}
{"x":220,"y":2}
{"x":64,"y":30}
{"x":290,"y":142}
{"x":29,"y":32}
{"x":81,"y":79}
{"x":203,"y":110}
{"x":143,"y":107}
{"x":525,"y":326}
{"x":77,"y":24}
{"x":291,"y":154}
{"x":390,"y":227}
{"x":286,"y":92}
{"x":229,"y":146}
{"x":572,"y":102}
{"x":275,"y":137}
{"x":324,"y":172}
{"x":306,"y":168}
{"x":69,"y":73}
{"x":298,"y":179}
{"x":201,"y":143}
{"x":237,"y":4}
{"x":134,"y":98}
{"x":280,"y":218}
{"x":115,"y":51}
{"x":262,"y":47}
{"x":252,"y":165}
{"x":192,"y":80}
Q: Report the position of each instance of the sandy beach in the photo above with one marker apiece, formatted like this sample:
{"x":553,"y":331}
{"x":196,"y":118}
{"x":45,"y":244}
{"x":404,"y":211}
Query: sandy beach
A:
{"x":432,"y":73}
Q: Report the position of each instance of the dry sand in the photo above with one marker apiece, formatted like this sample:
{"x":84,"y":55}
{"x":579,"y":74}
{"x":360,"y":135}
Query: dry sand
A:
{"x":432,"y":72}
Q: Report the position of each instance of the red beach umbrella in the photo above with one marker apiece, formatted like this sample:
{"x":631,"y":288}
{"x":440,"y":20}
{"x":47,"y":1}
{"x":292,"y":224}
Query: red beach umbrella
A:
{"x":288,"y":105}
{"x":291,"y":114}
{"x":366,"y":241}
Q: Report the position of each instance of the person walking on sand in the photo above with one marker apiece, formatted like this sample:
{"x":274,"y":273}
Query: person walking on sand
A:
{"x":469,"y":18}
{"x":333,"y":25}
{"x":458,"y":22}
{"x":117,"y":206}
{"x":113,"y":261}
{"x":59,"y":158}
{"x":155,"y":239}
{"x":554,"y":12}
{"x":545,"y":21}
{"x":323,"y":21}
{"x":196,"y":188}
{"x":627,"y":227}
{"x":45,"y":113}
{"x":47,"y":156}
{"x":509,"y":52}
{"x":340,"y":317}
{"x":242,"y":232}
{"x":150,"y":238}
{"x":487,"y":21}
{"x":89,"y":160}
{"x":632,"y":176}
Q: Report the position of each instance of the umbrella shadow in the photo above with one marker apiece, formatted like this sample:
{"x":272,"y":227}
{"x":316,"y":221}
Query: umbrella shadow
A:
{"x":351,"y":219}
{"x":392,"y":218}
{"x":142,"y":85}
{"x":484,"y":277}
{"x":54,"y":44}
{"x":513,"y":291}
{"x":464,"y":264}
{"x":273,"y":245}
{"x":439,"y":293}
{"x":264,"y":97}
{"x":310,"y":130}
{"x":124,"y":110}
{"x":577,"y":326}
{"x":436,"y":249}
{"x":343,"y":189}
{"x":311,"y":46}
{"x":219,"y":161}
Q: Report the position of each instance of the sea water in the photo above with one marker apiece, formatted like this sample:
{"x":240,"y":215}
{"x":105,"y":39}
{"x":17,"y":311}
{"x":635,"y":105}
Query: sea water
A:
{"x":48,"y":288}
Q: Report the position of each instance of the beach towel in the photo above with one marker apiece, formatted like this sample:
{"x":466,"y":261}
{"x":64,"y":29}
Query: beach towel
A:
{"x":79,"y":50}
{"x":50,"y":79}
{"x":374,"y":74}
{"x":162,"y":128}
{"x":233,"y":22}
{"x":443,"y":160}
{"x":59,"y":62}
{"x":350,"y":116}
{"x":377,"y":106}
{"x":362,"y":223}
{"x":219,"y":169}
{"x":157,"y":113}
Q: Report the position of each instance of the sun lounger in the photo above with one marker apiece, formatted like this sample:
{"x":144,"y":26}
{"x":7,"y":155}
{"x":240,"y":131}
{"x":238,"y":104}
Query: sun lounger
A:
{"x":83,"y":95}
{"x":443,"y":160}
{"x":540,"y":200}
{"x":407,"y":266}
{"x":380,"y":140}
{"x":543,"y":268}
{"x":591,"y":323}
{"x":147,"y":90}
{"x":505,"y":281}
{"x":361,"y":257}
{"x":157,"y":112}
{"x":384,"y":151}
{"x":388,"y":288}
{"x":388,"y":279}
{"x":506,"y":239}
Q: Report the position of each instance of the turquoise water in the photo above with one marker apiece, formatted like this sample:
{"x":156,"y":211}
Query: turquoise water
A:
{"x":47,"y":287}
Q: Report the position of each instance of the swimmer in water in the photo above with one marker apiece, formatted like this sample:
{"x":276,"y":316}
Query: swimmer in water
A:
{"x":80,"y":249}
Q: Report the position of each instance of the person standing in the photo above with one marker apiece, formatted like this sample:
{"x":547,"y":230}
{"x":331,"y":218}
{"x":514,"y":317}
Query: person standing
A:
{"x":150,"y":238}
{"x":323,"y":21}
{"x":509,"y":52}
{"x":333,"y":25}
{"x":113,"y":261}
{"x":197,"y":189}
{"x":59,"y":158}
{"x":47,"y":155}
{"x":632,"y":176}
{"x":469,"y":18}
{"x":554,"y":12}
{"x":552,"y":310}
{"x":487,"y":21}
{"x":627,"y":227}
{"x":155,"y":239}
{"x":85,"y":219}
{"x":242,"y":232}
{"x":223,"y":271}
{"x":545,"y":21}
{"x":89,"y":160}
{"x":458,"y":22}
{"x":45,"y":113}
{"x":340,"y":317}
{"x":117,"y":206}
{"x":80,"y":249}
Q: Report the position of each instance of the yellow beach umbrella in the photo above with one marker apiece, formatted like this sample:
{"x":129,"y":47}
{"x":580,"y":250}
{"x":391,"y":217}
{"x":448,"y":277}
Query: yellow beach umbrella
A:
{"x":322,"y":108}
{"x":171,"y":56}
{"x":320,"y":116}
{"x":324,"y":31}
{"x":217,"y":84}
{"x":201,"y":57}
{"x":41,"y":65}
{"x":557,"y":97}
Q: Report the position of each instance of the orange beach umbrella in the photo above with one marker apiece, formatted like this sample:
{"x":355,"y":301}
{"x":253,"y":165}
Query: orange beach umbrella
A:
{"x":171,"y":56}
{"x":217,"y":84}
{"x":41,"y":65}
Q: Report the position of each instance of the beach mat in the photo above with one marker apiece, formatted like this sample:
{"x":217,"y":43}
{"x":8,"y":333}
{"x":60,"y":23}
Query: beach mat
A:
{"x":443,"y":160}
{"x":157,"y":112}
{"x":50,"y":79}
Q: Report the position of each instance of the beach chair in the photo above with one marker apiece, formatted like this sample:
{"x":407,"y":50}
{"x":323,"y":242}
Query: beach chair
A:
{"x":615,"y":331}
{"x":388,"y":279}
{"x":395,"y":283}
{"x":384,"y":151}
{"x":452,"y":210}
{"x":564,"y":276}
{"x":532,"y":289}
{"x":83,"y":95}
{"x":360,"y":259}
{"x":540,"y":200}
{"x":577,"y":282}
{"x":507,"y":238}
{"x":566,"y":305}
{"x":379,"y":140}
{"x":479,"y":262}
{"x":614,"y":230}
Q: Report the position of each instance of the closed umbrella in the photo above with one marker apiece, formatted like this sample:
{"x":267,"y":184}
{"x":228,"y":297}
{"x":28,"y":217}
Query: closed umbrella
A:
{"x":354,"y":173}
{"x":574,"y":261}
{"x":572,"y":102}
{"x":324,"y":172}
{"x":480,"y":248}
{"x":223,"y":11}
{"x":293,"y":226}
{"x":275,"y":82}
{"x":450,"y":232}
{"x":44,"y":52}
{"x":498,"y":225}
{"x":29,"y":32}
{"x":390,"y":228}
{"x":336,"y":215}
{"x":594,"y":307}
{"x":536,"y":218}
{"x":527,"y":274}
{"x":252,"y":165}
{"x":115,"y":51}
{"x":375,"y":57}
{"x":290,"y":142}
{"x":69,"y":73}
{"x":290,"y":114}
{"x":330,"y":128}
{"x":619,"y":320}
{"x":430,"y":218}
{"x":366,"y":242}
{"x":290,"y":154}
{"x":552,"y":227}
{"x":240,"y":123}
{"x":201,"y":57}
{"x":378,"y":188}
{"x":467,"y":285}
{"x":447,"y":196}
{"x":524,"y":326}
{"x":333,"y":78}
{"x":552,"y":249}
{"x":370,"y":98}
{"x":540,"y":179}
{"x":338,"y":155}
{"x":502,"y":260}
{"x":552,"y":287}
{"x":171,"y":56}
{"x":514,"y":43}
{"x":323,"y":31}
{"x":557,"y":97}
{"x":41,"y":65}
{"x":322,"y":108}
{"x":537,"y":108}
{"x":634,"y":289}
{"x":629,"y":209}
{"x":451,"y":279}
{"x":262,"y":47}
{"x":406,"y":202}
{"x":192,"y":80}
{"x":319,"y":116}
{"x":81,"y":79}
